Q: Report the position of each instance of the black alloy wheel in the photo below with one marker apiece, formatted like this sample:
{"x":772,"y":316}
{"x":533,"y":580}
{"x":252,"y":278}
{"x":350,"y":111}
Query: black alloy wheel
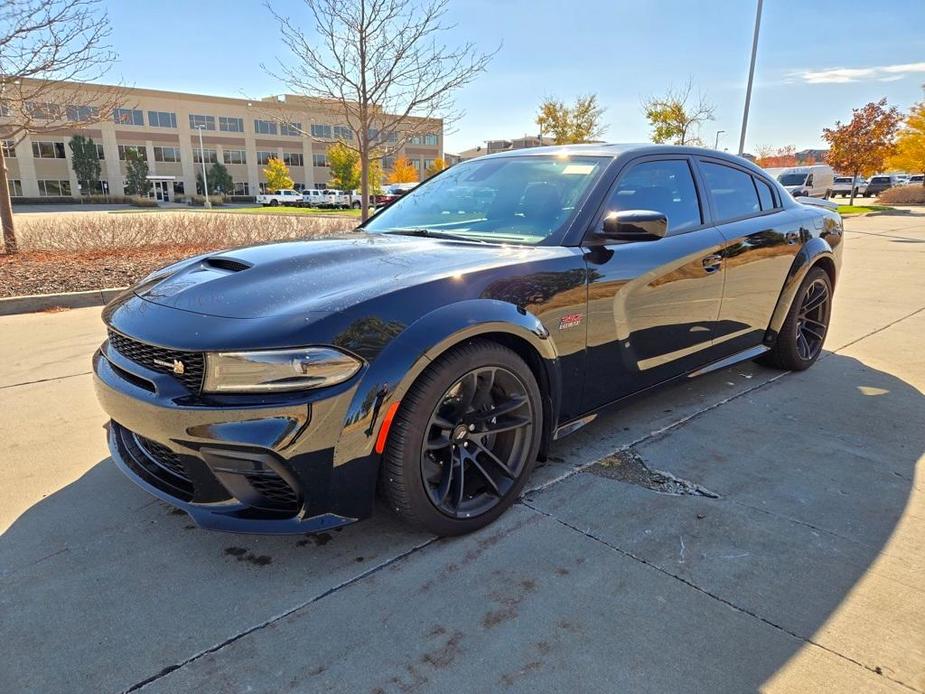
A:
{"x":799,"y":342}
{"x":813,"y":319}
{"x":477,"y":442}
{"x":464,"y":440}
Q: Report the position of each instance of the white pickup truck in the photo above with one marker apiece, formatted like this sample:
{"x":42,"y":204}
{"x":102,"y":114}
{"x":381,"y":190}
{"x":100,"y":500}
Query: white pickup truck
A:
{"x":274,"y":198}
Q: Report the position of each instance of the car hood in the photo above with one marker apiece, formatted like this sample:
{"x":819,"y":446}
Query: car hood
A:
{"x":318,"y":276}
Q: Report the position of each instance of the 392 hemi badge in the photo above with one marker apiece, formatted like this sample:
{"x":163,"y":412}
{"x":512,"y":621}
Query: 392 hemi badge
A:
{"x":571,"y":320}
{"x":176,"y":365}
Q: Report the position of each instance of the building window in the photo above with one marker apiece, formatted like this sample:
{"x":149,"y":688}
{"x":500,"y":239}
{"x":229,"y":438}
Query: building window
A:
{"x":293,"y":159}
{"x":100,"y":187}
{"x":235,"y":156}
{"x":167,"y":154}
{"x":9,"y":149}
{"x":342,"y":132}
{"x":178,"y":188}
{"x":430,"y":139}
{"x":42,"y":110}
{"x":137,"y":149}
{"x":319,"y":130}
{"x":231,"y":125}
{"x":50,"y":188}
{"x":416,"y":140}
{"x":428,"y":164}
{"x":207,"y":122}
{"x":265,"y":127}
{"x":416,"y":163}
{"x":319,"y":159}
{"x":82,"y":113}
{"x":4,"y":108}
{"x":15,"y":187}
{"x":291,"y":129}
{"x":263,"y":158}
{"x":48,"y":150}
{"x":162,"y":119}
{"x":128,"y":116}
{"x":100,"y":154}
{"x":209,"y":154}
{"x":242,"y":188}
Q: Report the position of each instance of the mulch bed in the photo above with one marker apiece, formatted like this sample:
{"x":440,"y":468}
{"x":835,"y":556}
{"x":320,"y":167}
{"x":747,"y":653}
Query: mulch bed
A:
{"x":41,"y":272}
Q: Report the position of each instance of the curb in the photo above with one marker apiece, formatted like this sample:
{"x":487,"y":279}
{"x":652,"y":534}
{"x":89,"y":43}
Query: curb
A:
{"x":41,"y":302}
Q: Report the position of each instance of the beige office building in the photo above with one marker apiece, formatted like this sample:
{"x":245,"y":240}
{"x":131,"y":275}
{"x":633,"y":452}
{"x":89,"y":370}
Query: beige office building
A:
{"x":163,"y":127}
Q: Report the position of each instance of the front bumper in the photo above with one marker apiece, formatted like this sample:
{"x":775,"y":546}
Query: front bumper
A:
{"x":242,"y":463}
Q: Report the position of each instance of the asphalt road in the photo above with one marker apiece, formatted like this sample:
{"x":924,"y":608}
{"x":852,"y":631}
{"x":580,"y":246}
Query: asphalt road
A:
{"x":792,"y":560}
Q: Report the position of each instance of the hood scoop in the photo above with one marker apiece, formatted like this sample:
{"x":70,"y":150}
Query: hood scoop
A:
{"x":227,"y":264}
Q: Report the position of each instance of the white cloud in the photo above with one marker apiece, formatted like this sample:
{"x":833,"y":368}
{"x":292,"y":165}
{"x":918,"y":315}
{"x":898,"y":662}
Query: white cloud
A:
{"x":842,"y":75}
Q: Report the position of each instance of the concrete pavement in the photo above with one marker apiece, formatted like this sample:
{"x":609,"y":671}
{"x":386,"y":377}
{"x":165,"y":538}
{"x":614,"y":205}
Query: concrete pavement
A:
{"x":803,"y":570}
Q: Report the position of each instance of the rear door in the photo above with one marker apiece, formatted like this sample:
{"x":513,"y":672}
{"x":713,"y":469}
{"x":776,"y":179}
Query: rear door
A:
{"x":761,"y":240}
{"x":651,"y":304}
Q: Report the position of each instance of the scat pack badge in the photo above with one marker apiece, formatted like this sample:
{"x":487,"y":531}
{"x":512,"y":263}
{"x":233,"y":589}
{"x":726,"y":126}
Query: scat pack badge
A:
{"x":571,"y":320}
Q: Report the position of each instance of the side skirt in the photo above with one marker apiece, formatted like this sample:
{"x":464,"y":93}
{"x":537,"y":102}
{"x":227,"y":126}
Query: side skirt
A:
{"x":576,"y":424}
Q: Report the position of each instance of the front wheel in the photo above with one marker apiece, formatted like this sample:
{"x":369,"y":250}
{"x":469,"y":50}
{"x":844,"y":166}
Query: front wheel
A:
{"x":464,"y":440}
{"x":803,"y":333}
{"x":356,"y":204}
{"x":274,"y":203}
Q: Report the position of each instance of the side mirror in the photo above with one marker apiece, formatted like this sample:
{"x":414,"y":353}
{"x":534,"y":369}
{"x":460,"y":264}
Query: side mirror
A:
{"x":635,"y":225}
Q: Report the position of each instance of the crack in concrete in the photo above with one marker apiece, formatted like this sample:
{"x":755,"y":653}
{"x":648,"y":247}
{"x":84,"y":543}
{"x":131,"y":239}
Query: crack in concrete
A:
{"x":628,"y":466}
{"x":45,"y":380}
{"x":690,"y":584}
{"x":272,"y":620}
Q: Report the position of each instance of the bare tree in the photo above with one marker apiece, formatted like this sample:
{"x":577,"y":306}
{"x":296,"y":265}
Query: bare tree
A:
{"x":48,"y":50}
{"x":674,"y":116}
{"x":379,"y":66}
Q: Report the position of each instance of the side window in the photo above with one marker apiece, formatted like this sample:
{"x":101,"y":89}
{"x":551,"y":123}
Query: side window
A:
{"x":764,"y":194}
{"x":663,"y":186}
{"x":732,"y":192}
{"x":809,"y":181}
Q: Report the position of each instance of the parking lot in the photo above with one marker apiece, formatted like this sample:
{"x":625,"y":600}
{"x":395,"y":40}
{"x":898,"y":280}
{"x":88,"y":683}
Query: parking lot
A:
{"x":782,"y":548}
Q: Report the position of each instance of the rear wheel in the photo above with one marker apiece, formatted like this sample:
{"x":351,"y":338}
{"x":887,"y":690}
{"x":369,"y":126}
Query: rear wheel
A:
{"x":464,"y":441}
{"x":803,"y":333}
{"x":356,"y":204}
{"x":274,"y":203}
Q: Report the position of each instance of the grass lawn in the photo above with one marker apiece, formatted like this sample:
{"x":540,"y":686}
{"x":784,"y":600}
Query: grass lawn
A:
{"x":848,"y":210}
{"x":260,"y":209}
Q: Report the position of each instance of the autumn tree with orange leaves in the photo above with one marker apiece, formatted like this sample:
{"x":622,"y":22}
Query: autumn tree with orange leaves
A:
{"x":403,"y":171}
{"x":862,"y":145}
{"x":768,"y":157}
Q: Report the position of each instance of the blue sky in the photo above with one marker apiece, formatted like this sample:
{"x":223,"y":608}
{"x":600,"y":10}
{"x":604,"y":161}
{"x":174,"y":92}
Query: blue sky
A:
{"x":816,"y":58}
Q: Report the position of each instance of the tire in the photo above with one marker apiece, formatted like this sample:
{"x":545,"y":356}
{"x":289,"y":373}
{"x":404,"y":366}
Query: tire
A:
{"x":356,"y":204}
{"x":431,"y":482}
{"x":274,"y":203}
{"x":801,"y":337}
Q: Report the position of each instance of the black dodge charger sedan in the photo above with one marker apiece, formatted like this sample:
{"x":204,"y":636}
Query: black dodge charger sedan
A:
{"x":435,"y":353}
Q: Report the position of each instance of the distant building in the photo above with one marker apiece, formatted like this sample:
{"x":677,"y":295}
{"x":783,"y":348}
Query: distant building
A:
{"x":162,"y":127}
{"x":812,"y":156}
{"x":495,"y":146}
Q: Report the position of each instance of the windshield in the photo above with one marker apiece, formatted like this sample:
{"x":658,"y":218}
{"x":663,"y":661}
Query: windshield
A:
{"x":880,"y":179}
{"x":792,"y":179}
{"x":842,"y":180}
{"x":509,"y":200}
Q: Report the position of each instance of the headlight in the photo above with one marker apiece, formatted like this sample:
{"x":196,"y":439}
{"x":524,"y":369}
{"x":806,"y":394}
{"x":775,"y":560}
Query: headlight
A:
{"x":277,"y":370}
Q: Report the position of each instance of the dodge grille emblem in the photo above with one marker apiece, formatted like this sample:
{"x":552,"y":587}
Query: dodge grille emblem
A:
{"x":176,"y":365}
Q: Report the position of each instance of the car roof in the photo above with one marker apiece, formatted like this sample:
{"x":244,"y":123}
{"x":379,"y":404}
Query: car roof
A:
{"x":618,"y":150}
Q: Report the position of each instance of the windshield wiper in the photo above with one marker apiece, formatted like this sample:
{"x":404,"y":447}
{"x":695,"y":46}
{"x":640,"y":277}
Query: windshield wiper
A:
{"x":431,"y":233}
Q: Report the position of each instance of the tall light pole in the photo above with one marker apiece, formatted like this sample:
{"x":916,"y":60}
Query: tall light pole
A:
{"x":751,"y":77}
{"x":202,"y":158}
{"x":716,"y":142}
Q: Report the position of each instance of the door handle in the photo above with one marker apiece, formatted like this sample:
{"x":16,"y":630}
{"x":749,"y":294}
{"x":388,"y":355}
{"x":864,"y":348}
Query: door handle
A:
{"x":712,"y":263}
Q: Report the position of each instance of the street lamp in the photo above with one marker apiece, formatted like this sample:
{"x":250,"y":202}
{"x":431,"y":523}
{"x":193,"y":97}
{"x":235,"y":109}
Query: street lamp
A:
{"x":716,"y":142}
{"x":751,"y":76}
{"x":202,"y":159}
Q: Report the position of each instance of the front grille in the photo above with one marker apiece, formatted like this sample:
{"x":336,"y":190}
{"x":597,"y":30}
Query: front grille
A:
{"x":274,"y":489}
{"x":164,"y":457}
{"x":148,"y":356}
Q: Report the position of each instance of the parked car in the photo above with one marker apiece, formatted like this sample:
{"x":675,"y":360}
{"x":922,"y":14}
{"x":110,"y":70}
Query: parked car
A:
{"x":312,"y":197}
{"x":274,"y":198}
{"x":337,"y":199}
{"x":916,"y":180}
{"x":902,"y":179}
{"x":844,"y":185}
{"x":437,"y":352}
{"x":880,"y":183}
{"x":393,"y":191}
{"x":808,"y":181}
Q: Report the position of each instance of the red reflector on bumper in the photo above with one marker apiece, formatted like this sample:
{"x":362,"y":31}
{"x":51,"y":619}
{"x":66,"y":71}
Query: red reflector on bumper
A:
{"x":386,"y":425}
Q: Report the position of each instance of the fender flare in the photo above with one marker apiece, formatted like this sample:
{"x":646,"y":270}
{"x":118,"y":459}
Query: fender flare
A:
{"x":395,"y":369}
{"x":808,"y":256}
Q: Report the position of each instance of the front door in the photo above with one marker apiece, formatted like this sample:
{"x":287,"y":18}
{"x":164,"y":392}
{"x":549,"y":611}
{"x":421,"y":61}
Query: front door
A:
{"x":161,"y":191}
{"x":652,"y":305}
